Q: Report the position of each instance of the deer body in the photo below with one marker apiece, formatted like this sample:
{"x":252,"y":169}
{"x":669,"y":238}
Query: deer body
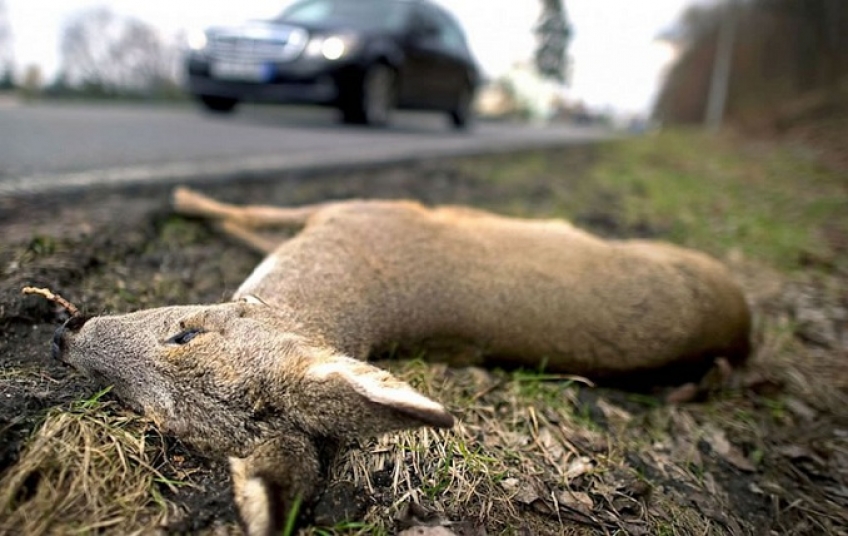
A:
{"x":277,"y":378}
{"x":367,"y":275}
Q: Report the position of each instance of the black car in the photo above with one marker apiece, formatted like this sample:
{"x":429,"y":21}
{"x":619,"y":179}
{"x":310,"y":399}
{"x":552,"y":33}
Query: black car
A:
{"x":365,"y":57}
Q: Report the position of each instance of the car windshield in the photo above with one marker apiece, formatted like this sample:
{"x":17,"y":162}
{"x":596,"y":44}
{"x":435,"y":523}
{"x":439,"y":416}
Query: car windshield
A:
{"x":377,"y":14}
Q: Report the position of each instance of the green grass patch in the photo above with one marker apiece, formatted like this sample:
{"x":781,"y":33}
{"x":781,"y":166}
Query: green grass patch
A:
{"x":774,"y":204}
{"x":718,"y":194}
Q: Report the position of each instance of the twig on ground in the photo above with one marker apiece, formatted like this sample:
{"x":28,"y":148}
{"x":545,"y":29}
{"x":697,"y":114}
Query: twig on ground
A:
{"x":55,"y":298}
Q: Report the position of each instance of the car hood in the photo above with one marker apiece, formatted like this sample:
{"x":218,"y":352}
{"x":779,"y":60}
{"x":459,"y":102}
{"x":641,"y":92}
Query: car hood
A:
{"x":263,"y":30}
{"x":280,"y":30}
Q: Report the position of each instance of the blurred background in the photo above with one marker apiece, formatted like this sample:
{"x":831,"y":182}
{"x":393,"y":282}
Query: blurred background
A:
{"x":133,"y":47}
{"x":620,"y":60}
{"x":762,"y":67}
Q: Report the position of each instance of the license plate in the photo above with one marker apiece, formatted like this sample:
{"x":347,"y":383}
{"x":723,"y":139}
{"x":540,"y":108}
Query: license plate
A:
{"x":245,"y":71}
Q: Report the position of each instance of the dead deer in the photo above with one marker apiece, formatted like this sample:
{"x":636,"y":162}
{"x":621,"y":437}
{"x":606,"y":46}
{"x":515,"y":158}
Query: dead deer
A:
{"x":277,"y":380}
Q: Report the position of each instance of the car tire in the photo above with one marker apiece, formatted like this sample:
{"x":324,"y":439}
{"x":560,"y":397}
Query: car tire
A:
{"x":461,"y":114}
{"x":220,"y":105}
{"x":375,"y":99}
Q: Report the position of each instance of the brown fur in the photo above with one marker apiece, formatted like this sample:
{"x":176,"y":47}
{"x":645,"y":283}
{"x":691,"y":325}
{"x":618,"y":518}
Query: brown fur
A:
{"x":276,"y":379}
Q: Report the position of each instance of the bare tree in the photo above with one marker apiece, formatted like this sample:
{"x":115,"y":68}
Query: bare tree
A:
{"x":84,"y":56}
{"x":786,"y":55}
{"x":552,"y":35}
{"x":104,"y":52}
{"x":140,"y":55}
{"x":7,"y":55}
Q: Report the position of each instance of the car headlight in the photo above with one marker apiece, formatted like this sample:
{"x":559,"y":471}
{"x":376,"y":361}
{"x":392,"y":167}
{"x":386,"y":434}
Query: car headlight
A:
{"x":331,"y":47}
{"x":197,"y":40}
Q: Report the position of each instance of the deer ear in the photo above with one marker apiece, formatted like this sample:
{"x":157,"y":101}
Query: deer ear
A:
{"x":386,"y":401}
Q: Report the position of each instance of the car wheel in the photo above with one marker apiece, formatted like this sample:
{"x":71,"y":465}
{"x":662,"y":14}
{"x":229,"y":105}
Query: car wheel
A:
{"x":460,"y":115}
{"x":220,"y":105}
{"x":376,"y":97}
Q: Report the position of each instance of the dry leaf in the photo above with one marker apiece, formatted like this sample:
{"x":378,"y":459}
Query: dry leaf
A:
{"x":577,"y":500}
{"x":613,"y":412}
{"x":427,"y":531}
{"x":525,"y":491}
{"x":731,"y":454}
{"x":579,"y":466}
{"x":551,"y":446}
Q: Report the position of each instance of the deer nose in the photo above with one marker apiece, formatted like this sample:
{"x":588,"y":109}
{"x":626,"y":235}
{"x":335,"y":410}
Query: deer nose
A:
{"x":60,"y":344}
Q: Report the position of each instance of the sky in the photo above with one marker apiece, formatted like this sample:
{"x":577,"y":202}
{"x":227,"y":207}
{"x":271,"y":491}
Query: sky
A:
{"x":617,"y":62}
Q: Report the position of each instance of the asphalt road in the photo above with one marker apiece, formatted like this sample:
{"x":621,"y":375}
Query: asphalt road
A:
{"x":49,"y":147}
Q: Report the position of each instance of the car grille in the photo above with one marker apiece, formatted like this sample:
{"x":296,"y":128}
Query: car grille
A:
{"x":286,"y":45}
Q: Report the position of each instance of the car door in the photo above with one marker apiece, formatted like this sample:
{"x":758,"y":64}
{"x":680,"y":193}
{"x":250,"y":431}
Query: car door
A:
{"x":422,"y":81}
{"x":456,"y":68}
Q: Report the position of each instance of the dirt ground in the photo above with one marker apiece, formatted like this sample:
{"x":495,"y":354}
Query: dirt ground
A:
{"x":533,"y":454}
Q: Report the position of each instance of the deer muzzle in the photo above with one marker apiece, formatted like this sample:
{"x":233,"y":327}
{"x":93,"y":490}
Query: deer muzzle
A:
{"x":60,"y":344}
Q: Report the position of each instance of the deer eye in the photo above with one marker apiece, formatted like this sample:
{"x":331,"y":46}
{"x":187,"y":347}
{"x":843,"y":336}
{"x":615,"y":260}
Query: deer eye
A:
{"x":185,"y":336}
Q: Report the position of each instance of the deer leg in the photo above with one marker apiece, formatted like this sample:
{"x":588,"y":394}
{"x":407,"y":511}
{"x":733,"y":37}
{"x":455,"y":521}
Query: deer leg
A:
{"x":247,"y":237}
{"x":191,"y":203}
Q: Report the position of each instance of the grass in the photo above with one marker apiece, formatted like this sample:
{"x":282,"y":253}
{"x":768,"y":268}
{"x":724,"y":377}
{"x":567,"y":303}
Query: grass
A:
{"x":351,"y":529}
{"x":87,"y":469}
{"x":710,"y":194}
{"x":534,"y":452}
{"x":500,"y":447}
{"x":720,"y":194}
